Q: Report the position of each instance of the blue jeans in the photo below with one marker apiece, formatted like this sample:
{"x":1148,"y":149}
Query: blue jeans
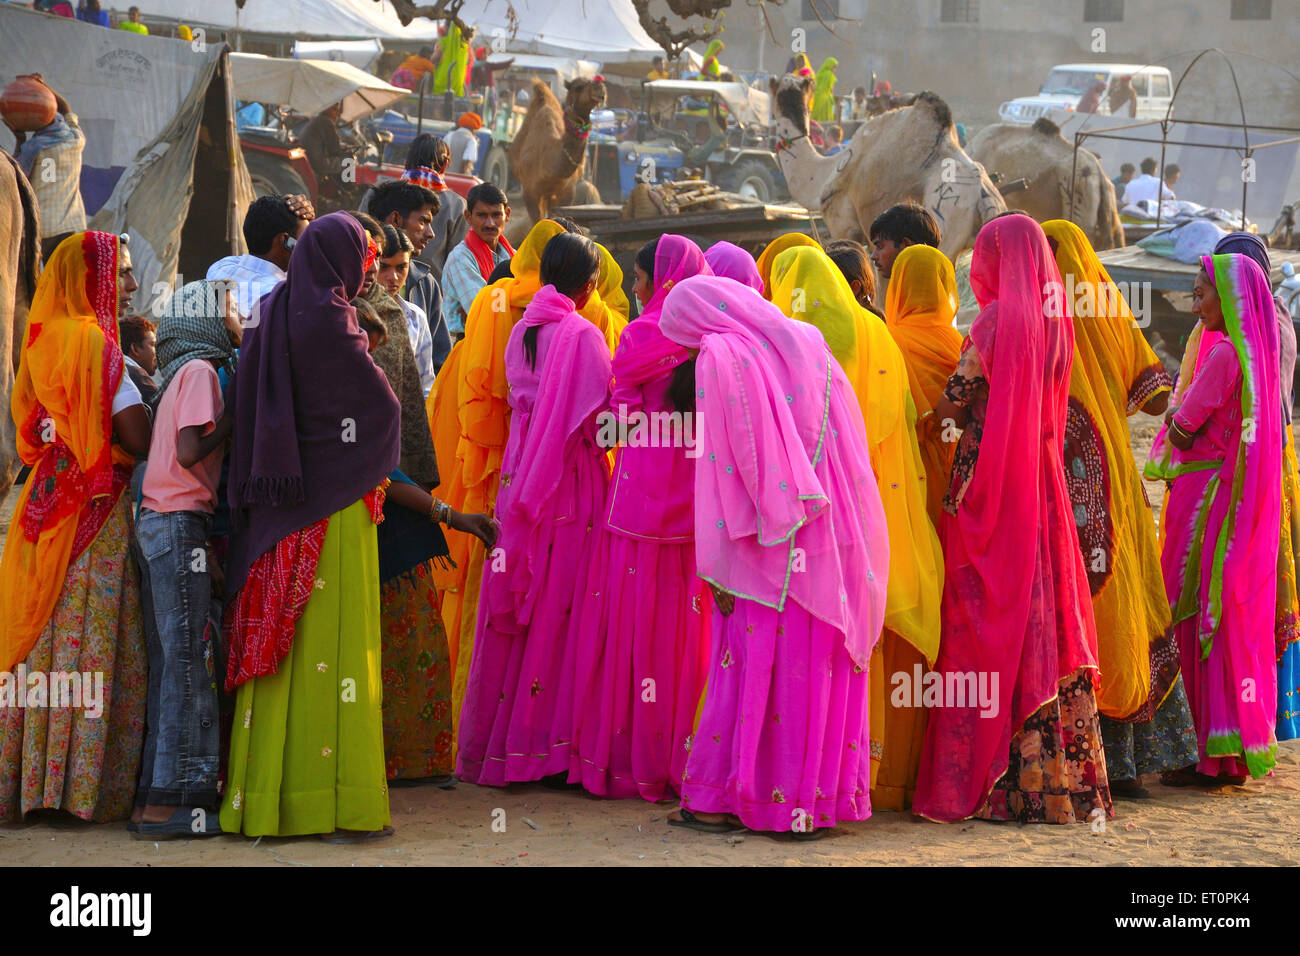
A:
{"x":182,"y":744}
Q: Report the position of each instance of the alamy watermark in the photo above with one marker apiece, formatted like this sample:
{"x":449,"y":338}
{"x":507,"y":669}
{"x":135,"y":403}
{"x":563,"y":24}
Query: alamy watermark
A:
{"x":640,"y":429}
{"x":978,"y":689}
{"x":38,"y":689}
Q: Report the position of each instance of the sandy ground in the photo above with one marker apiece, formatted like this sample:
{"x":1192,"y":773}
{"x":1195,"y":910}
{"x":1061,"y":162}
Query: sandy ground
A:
{"x":1258,"y":823}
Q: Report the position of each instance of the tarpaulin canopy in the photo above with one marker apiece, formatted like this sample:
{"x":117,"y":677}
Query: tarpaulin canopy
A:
{"x":142,"y":102}
{"x":309,"y":86}
{"x":749,"y":106}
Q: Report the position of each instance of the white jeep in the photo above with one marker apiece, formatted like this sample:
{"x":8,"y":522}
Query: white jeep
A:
{"x":1066,"y":84}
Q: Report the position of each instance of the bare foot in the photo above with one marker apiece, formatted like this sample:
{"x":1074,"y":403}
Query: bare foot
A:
{"x":156,"y":814}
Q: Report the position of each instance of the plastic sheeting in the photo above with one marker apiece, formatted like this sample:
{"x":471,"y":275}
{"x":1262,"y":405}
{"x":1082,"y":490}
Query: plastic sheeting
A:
{"x":140,"y":101}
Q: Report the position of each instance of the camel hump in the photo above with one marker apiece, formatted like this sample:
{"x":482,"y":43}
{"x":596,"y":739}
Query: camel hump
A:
{"x":542,"y":94}
{"x":1046,"y":127}
{"x":937,"y":107}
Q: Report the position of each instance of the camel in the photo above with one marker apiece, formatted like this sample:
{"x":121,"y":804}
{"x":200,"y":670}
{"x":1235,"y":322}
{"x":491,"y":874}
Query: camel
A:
{"x":20,"y":240}
{"x":907,"y":153}
{"x":1044,"y":158}
{"x":549,"y":152}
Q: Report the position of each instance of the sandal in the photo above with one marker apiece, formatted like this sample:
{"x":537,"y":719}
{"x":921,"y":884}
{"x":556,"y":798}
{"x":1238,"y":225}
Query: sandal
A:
{"x":816,"y":833}
{"x":1129,"y":790}
{"x":179,"y":824}
{"x":357,"y":836}
{"x":691,"y":822}
{"x":1188,"y":777}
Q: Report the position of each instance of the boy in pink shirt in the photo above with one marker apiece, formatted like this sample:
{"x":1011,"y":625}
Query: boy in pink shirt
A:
{"x":178,"y":778}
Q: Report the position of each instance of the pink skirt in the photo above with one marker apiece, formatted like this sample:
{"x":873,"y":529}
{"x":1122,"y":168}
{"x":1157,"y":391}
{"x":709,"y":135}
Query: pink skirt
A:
{"x":785,"y":733}
{"x":517,"y":720}
{"x":643,"y":657}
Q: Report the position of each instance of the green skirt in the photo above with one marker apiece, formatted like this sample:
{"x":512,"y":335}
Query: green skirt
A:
{"x":307,"y":748}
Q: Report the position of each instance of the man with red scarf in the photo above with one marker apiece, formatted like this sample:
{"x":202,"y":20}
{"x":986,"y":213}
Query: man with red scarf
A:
{"x":471,"y":263}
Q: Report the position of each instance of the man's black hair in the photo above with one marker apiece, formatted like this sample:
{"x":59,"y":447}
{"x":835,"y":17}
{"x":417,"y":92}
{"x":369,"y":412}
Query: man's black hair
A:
{"x":428,"y":150}
{"x":1148,"y":166}
{"x":490,"y":194}
{"x":1127,"y":168}
{"x":402,"y":197}
{"x":906,"y":220}
{"x":267,"y":218}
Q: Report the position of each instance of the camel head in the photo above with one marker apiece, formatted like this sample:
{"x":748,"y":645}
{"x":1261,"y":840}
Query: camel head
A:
{"x":794,"y":104}
{"x":583,"y":96}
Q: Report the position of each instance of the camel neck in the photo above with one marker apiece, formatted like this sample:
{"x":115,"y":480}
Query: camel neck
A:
{"x":806,"y":171}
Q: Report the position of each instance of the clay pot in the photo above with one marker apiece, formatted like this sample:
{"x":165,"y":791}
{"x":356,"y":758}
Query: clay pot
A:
{"x":27,"y":104}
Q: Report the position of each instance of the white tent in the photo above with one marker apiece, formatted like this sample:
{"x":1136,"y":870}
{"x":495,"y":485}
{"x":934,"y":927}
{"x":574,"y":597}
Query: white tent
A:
{"x":603,"y":30}
{"x":334,"y":19}
{"x":311,"y":85}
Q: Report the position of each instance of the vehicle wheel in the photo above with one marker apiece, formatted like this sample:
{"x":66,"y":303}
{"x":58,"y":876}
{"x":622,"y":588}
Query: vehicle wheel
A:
{"x":750,"y":178}
{"x":497,"y":168}
{"x":271,"y":177}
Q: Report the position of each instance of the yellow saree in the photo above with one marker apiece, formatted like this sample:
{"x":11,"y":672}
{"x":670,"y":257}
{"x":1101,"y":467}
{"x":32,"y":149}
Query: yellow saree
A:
{"x":1115,"y":373}
{"x":470,"y":419}
{"x":68,"y":373}
{"x":807,"y":286}
{"x":766,"y":259}
{"x":919,"y":310}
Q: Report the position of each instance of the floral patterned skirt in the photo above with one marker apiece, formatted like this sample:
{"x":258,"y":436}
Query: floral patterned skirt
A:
{"x":417,"y":678}
{"x":1166,"y":742}
{"x":1057,"y":772}
{"x":70,"y":758}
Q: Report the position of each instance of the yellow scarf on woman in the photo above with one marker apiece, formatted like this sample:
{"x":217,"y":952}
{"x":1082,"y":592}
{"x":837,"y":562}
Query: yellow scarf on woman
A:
{"x":1115,"y":373}
{"x":62,"y":401}
{"x":469,"y":416}
{"x":919,"y":310}
{"x":791,"y":240}
{"x":808,"y":286}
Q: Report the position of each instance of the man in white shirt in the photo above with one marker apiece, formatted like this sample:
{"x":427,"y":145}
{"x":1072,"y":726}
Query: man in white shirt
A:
{"x":271,"y":228}
{"x":1146,"y":186}
{"x":463,"y":141}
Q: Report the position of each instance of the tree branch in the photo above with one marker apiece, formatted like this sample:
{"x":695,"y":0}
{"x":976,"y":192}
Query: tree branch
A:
{"x":449,"y":10}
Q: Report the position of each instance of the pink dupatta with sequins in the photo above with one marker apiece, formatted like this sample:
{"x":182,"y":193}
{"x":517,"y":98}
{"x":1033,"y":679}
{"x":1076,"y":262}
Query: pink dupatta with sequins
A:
{"x":786,"y":507}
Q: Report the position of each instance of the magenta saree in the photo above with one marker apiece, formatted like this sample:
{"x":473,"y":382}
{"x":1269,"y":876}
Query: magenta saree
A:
{"x":1017,"y":613}
{"x":517,"y":720}
{"x":643,"y":628}
{"x":1221,"y":526}
{"x":788,"y":520}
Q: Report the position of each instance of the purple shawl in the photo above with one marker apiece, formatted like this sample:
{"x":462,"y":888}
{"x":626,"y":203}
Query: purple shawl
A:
{"x":316,"y":423}
{"x":732,"y":262}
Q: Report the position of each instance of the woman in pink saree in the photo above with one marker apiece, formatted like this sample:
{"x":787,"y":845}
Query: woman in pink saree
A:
{"x":1222,"y":452}
{"x":1018,"y":630}
{"x":643,"y":631}
{"x":791,"y":535}
{"x":517,"y":721}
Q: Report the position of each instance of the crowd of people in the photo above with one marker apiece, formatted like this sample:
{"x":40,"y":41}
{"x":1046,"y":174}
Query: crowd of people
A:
{"x":387,"y":501}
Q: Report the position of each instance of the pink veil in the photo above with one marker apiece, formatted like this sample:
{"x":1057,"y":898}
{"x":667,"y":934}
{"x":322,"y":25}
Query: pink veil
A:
{"x":1016,"y":602}
{"x":785,"y":502}
{"x":643,"y":352}
{"x":732,"y":262}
